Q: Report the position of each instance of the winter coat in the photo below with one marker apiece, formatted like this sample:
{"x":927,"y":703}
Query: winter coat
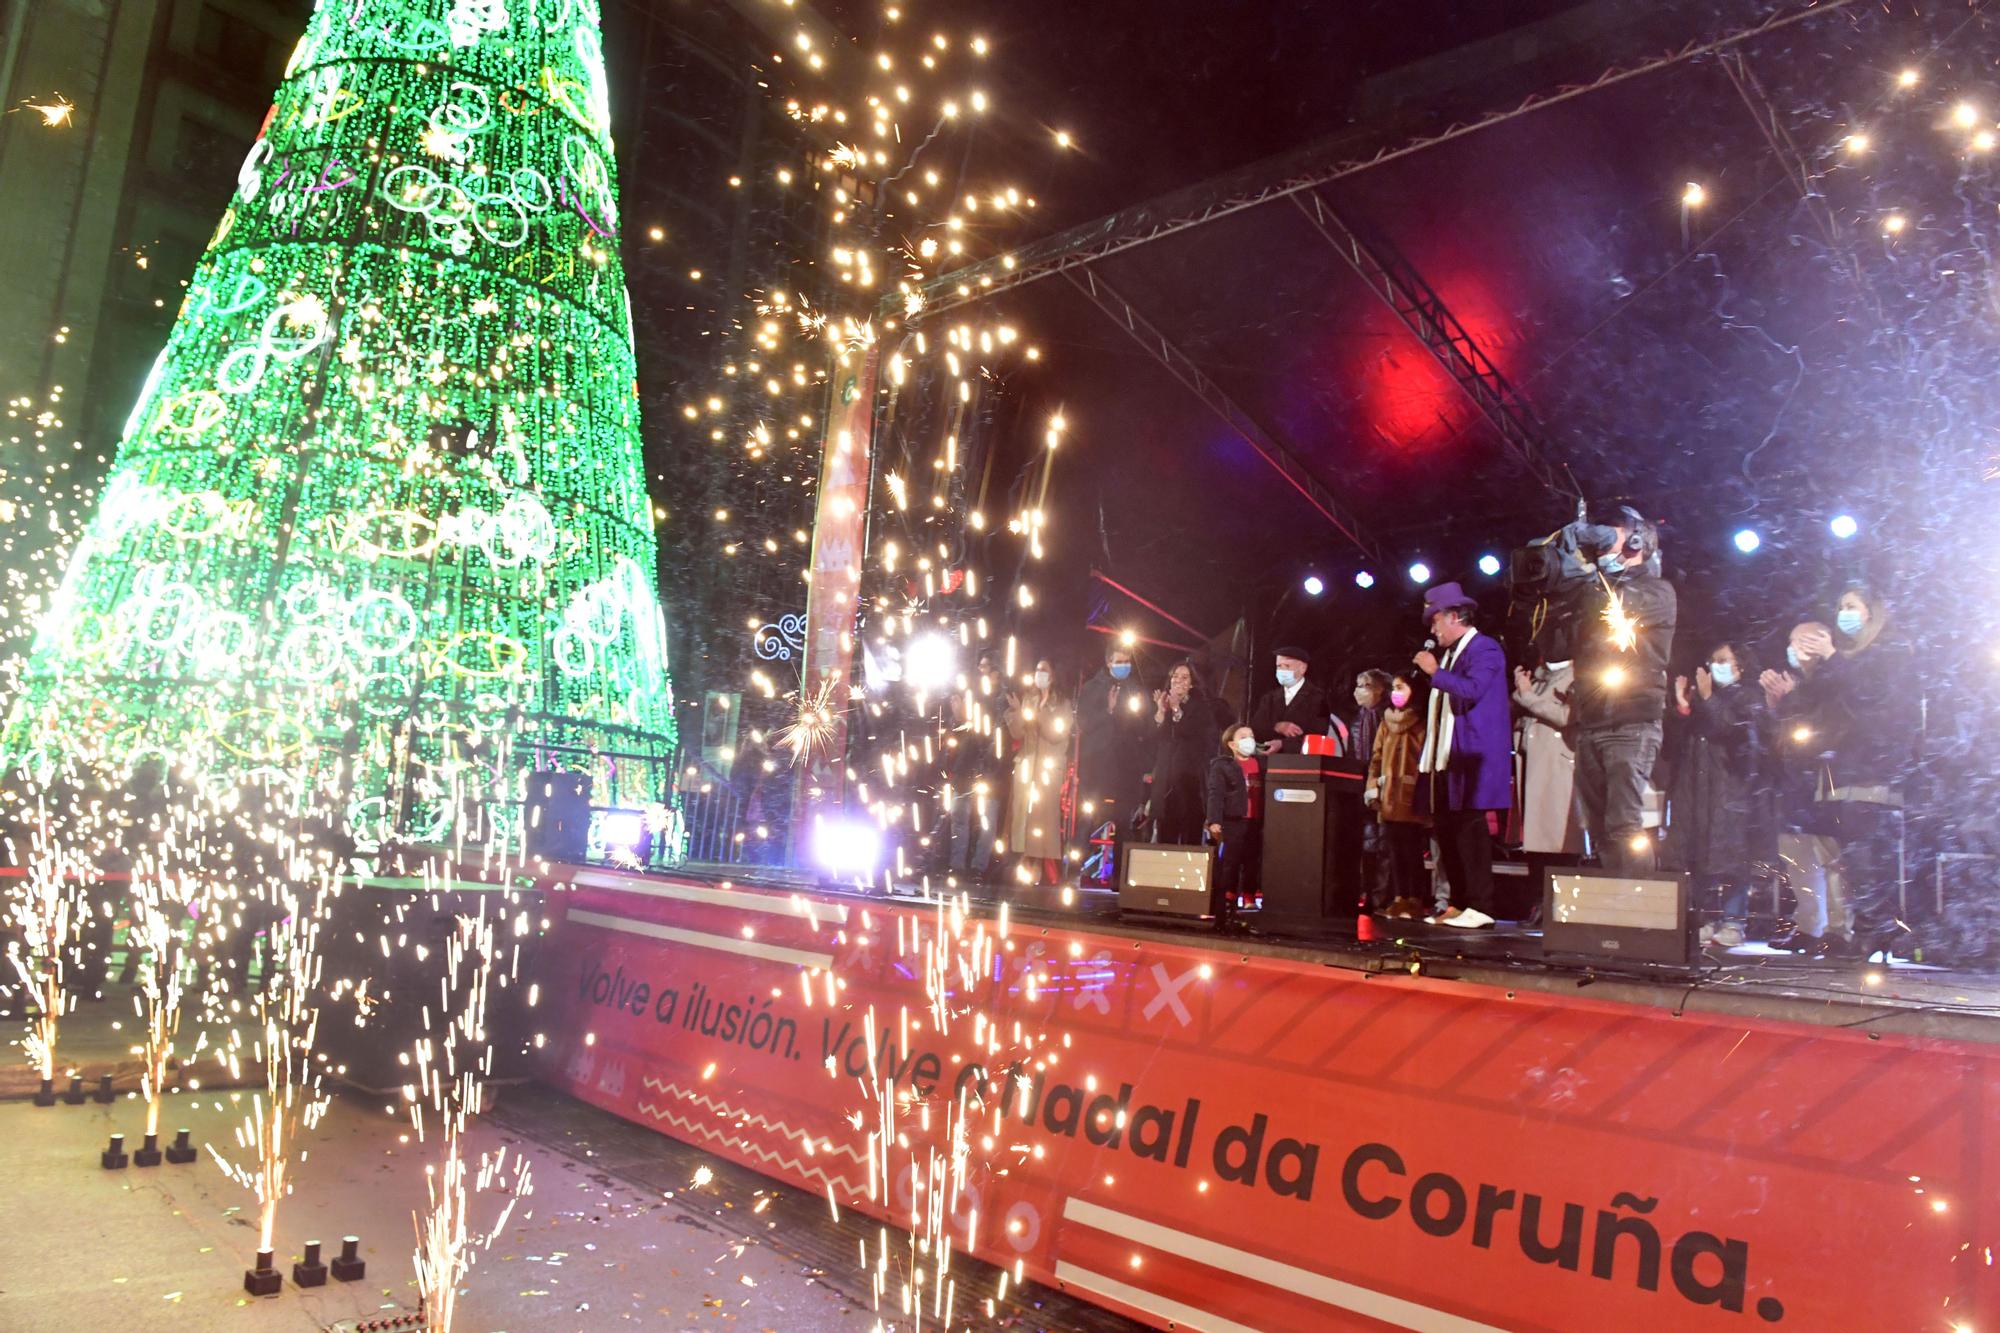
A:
{"x":1392,"y":768}
{"x":1723,"y":816}
{"x":1181,"y":749}
{"x":1360,"y":744}
{"x":1309,"y":709}
{"x":971,"y":756}
{"x":1478,"y":774}
{"x":1114,"y":723}
{"x":1864,"y":711}
{"x":1549,"y":822}
{"x":1636,"y":691}
{"x":1228,"y":791}
{"x":1034,"y":815}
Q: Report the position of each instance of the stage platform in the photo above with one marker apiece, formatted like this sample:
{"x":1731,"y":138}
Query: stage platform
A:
{"x":1426,"y":1130}
{"x":1752,"y":979}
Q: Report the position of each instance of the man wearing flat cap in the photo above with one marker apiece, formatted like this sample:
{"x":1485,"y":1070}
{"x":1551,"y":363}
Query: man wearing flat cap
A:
{"x":1283,"y":717}
{"x":1467,"y":765}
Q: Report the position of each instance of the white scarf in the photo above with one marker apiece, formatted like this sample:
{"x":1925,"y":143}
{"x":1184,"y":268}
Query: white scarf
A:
{"x":1437,"y":734}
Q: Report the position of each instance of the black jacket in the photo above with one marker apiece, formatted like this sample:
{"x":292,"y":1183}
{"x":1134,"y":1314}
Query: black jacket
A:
{"x":1637,"y":690}
{"x":1184,"y":744}
{"x":1114,"y":724}
{"x":1724,"y":817}
{"x":1309,"y":709}
{"x":1861,"y":709}
{"x":1228,"y":791}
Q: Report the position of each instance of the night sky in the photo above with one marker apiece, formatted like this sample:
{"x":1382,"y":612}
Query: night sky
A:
{"x":1757,"y":361}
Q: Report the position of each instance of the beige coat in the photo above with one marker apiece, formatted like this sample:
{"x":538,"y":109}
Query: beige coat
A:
{"x":1549,"y":822}
{"x":1034,"y":816}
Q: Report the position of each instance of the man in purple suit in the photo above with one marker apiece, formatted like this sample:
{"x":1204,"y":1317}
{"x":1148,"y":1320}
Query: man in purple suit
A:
{"x":1467,"y":765}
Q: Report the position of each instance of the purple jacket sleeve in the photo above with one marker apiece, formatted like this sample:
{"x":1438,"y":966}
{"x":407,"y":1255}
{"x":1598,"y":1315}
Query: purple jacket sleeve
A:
{"x":1478,"y":674}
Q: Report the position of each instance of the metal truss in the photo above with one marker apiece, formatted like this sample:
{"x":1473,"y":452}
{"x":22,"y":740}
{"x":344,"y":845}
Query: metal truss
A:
{"x":1275,"y":178}
{"x":1751,"y":89}
{"x":1281,"y":457}
{"x":1424,"y":314}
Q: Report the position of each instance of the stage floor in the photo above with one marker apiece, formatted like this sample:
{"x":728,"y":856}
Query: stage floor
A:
{"x":1754,"y":980}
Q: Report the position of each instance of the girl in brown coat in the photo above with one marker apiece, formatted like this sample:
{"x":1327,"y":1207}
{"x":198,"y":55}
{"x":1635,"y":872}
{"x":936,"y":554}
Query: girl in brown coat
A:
{"x":1392,"y":793}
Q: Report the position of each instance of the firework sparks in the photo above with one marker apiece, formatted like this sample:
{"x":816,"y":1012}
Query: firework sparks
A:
{"x":293,"y":1098}
{"x":44,"y":913}
{"x":451,"y":1067}
{"x":1624,"y":629}
{"x":56,"y":114}
{"x":813,"y":729}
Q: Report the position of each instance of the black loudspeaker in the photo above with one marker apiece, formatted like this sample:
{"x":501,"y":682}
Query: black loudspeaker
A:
{"x":558,"y":816}
{"x":1159,"y":877}
{"x":1595,"y":915}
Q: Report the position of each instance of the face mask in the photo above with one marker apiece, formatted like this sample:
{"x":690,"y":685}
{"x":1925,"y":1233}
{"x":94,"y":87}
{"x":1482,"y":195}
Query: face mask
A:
{"x":1611,"y":562}
{"x":1849,"y":619}
{"x":1722,"y":673}
{"x":1286,"y":678}
{"x":1120,"y":670}
{"x":1042,"y":680}
{"x":1792,"y":656}
{"x":1400,"y":698}
{"x":1246,"y":746}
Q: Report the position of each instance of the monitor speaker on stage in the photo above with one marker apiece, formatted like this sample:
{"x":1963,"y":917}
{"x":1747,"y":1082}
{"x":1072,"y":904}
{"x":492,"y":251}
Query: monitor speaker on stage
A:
{"x":1604,"y":917}
{"x":558,"y":815}
{"x":1156,"y":877}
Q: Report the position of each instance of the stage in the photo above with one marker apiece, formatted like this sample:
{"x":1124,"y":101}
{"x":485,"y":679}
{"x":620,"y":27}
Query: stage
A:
{"x":1751,"y":980}
{"x":1426,"y":1130}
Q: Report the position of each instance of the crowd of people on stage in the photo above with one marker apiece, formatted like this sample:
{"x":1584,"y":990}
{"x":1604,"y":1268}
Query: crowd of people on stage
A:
{"x":1784,"y":775}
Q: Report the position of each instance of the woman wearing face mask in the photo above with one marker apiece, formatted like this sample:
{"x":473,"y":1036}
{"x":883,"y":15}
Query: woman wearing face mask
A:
{"x":1392,"y":792}
{"x":1039,"y":721}
{"x":1723,"y":829}
{"x":1185,"y":717}
{"x":1819,"y":913}
{"x":1235,"y":789}
{"x":1864,"y":701}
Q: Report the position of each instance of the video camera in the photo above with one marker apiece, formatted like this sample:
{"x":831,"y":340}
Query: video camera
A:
{"x":1545,"y":577}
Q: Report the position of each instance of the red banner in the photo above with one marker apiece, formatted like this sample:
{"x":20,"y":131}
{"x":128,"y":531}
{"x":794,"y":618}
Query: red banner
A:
{"x":1224,"y":1142}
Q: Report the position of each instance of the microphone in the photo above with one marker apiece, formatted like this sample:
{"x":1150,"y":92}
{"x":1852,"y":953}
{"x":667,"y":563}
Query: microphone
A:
{"x":1431,"y":644}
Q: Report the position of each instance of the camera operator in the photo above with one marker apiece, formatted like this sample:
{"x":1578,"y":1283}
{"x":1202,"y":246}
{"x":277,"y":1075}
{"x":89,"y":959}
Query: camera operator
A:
{"x":1621,"y":682}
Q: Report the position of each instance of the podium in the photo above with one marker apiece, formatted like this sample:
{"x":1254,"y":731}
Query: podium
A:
{"x":1313,"y":817}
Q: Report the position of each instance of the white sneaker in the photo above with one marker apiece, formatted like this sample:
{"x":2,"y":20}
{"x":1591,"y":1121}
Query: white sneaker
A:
{"x":1728,"y":935}
{"x":1470,"y":919}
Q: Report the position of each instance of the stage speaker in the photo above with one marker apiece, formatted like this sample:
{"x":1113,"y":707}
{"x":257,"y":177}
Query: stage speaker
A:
{"x":1156,"y":877}
{"x":558,"y":816}
{"x":1617,"y":918}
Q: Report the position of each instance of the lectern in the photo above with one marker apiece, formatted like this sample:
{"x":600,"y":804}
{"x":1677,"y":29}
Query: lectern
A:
{"x":1312,"y":838}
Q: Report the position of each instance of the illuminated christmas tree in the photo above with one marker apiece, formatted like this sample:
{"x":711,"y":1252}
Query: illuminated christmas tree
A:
{"x":378,"y":519}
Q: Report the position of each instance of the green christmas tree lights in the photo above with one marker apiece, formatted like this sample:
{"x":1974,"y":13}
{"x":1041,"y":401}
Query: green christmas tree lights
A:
{"x":378,"y":519}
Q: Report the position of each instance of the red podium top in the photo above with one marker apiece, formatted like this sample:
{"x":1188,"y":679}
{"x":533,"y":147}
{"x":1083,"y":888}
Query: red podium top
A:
{"x":1339,"y":770}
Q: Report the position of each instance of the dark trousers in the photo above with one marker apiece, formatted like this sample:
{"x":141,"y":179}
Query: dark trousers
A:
{"x":1177,"y":811}
{"x":969,"y":837}
{"x":1403,"y":849}
{"x":1466,"y":849}
{"x":1236,"y":868}
{"x":1613,"y":765}
{"x":1870,"y":838}
{"x":1377,"y":889}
